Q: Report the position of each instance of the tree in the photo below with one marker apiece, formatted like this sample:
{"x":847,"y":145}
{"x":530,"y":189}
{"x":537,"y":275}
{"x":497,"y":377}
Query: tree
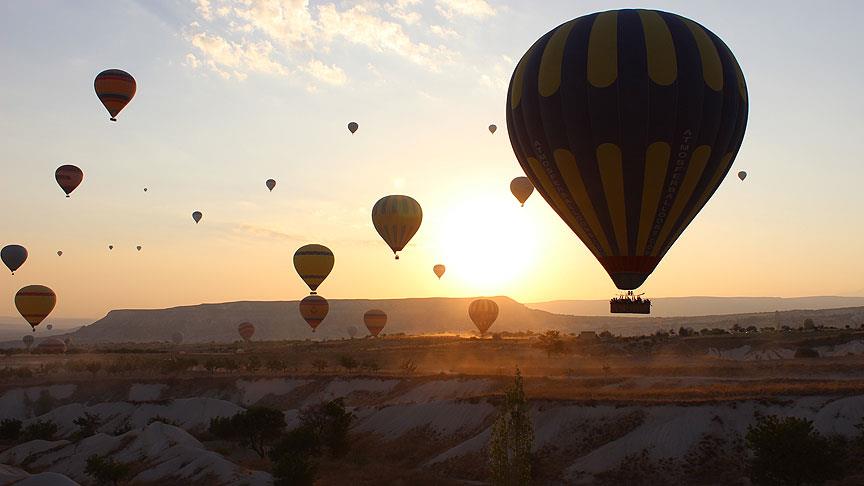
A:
{"x":87,"y":424}
{"x":40,"y":429}
{"x":329,"y":422}
{"x":106,"y":470}
{"x":512,"y":439}
{"x":788,"y":451}
{"x":10,"y":429}
{"x":552,"y":343}
{"x":256,"y":428}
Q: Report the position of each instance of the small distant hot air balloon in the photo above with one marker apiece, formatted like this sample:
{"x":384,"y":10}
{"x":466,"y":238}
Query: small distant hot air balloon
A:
{"x":145,"y":189}
{"x":138,"y":247}
{"x":28,"y":341}
{"x":68,"y":177}
{"x":13,"y":256}
{"x":375,"y":321}
{"x":67,"y":341}
{"x":522,"y":188}
{"x":49,"y":326}
{"x":115,"y":89}
{"x":59,"y":252}
{"x":246,"y":330}
{"x":313,"y":263}
{"x":439,"y":270}
{"x":742,"y":175}
{"x":352,"y":331}
{"x":196,"y":215}
{"x":51,"y":346}
{"x":314,"y":309}
{"x":353,"y":126}
{"x":483,"y":312}
{"x":397,"y":219}
{"x":110,"y":247}
{"x":492,"y":128}
{"x":34,"y":303}
{"x":177,"y":338}
{"x":271,"y":183}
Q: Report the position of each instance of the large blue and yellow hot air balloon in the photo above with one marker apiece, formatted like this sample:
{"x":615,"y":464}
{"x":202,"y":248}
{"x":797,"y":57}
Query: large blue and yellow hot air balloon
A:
{"x":626,"y":122}
{"x":397,"y":219}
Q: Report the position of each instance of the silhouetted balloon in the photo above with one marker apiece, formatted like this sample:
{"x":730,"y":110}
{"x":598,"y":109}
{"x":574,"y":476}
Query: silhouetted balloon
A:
{"x":522,"y":188}
{"x":375,"y":321}
{"x":138,"y":247}
{"x":51,"y":346}
{"x":439,"y":270}
{"x":28,"y":340}
{"x":49,"y":326}
{"x":492,"y":128}
{"x":397,"y":219}
{"x":626,"y":122}
{"x":314,"y":309}
{"x":246,"y":330}
{"x":313,"y":263}
{"x":110,"y":247}
{"x":742,"y":175}
{"x":353,"y":126}
{"x":145,"y":189}
{"x":270,"y":184}
{"x":67,"y":341}
{"x":68,"y":177}
{"x":59,"y":252}
{"x":196,"y":215}
{"x":115,"y":89}
{"x":13,"y":256}
{"x":34,"y":303}
{"x":483,"y":312}
{"x":177,"y":337}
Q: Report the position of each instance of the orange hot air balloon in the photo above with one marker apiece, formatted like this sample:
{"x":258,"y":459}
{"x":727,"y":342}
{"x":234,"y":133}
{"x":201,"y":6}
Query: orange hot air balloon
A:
{"x":397,"y":219}
{"x":375,"y":321}
{"x":626,"y":122}
{"x":246,"y":330}
{"x":483,"y":312}
{"x":314,"y":309}
{"x":68,"y":177}
{"x":115,"y":89}
{"x":522,"y":188}
{"x":313,"y":263}
{"x":34,"y":303}
{"x":439,"y":270}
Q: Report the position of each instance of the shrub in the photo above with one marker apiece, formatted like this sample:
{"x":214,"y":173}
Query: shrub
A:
{"x":329,"y":422}
{"x":10,"y":429}
{"x":87,"y":424}
{"x":552,"y":343}
{"x":370,"y":365}
{"x":347,"y":362}
{"x":256,"y":428}
{"x":166,"y":421}
{"x":806,"y":353}
{"x":788,"y":451}
{"x":106,"y":470}
{"x":39,"y":430}
{"x":512,"y":439}
{"x":123,"y":427}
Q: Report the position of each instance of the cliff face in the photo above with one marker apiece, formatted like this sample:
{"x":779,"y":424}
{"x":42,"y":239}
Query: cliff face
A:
{"x":281,"y":320}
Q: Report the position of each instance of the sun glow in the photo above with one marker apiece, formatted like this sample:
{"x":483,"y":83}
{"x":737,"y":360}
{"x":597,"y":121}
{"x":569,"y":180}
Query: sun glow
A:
{"x":488,"y":244}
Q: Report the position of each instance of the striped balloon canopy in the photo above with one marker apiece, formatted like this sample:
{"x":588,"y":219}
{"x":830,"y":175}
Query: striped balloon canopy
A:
{"x":34,"y":303}
{"x":626,"y":122}
{"x":68,"y":177}
{"x":483,"y":313}
{"x":246,"y":330}
{"x":313,"y":309}
{"x":313,"y":263}
{"x":397,"y":219}
{"x":28,"y":340}
{"x":375,"y":320}
{"x":115,"y":89}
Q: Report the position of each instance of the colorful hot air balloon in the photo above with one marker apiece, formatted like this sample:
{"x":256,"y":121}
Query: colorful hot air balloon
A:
{"x":493,"y":128}
{"x":13,"y":256}
{"x":522,"y":188}
{"x":397,"y":218}
{"x":626,"y":122}
{"x":34,"y":303}
{"x":49,"y":326}
{"x":59,"y":252}
{"x":28,"y":341}
{"x":314,"y":309}
{"x":246,"y":330}
{"x":483,"y":312}
{"x":439,"y":270}
{"x":375,"y":321}
{"x":270,"y":184}
{"x":742,"y":175}
{"x":115,"y":89}
{"x":353,"y":126}
{"x":68,"y":177}
{"x":177,"y":337}
{"x":196,"y":215}
{"x":313,"y":263}
{"x":51,"y":346}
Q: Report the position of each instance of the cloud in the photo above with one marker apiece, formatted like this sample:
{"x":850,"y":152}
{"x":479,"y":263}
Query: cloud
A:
{"x":478,"y":9}
{"x":401,"y":10}
{"x":332,"y":74}
{"x":234,"y":59}
{"x":444,"y":32}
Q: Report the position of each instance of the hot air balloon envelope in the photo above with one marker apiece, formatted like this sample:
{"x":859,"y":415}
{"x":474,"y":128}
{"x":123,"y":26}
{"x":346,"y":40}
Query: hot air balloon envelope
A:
{"x":353,"y":126}
{"x":196,"y":216}
{"x":270,"y":184}
{"x":115,"y":89}
{"x":439,"y":270}
{"x":522,"y":188}
{"x":313,"y":263}
{"x":68,"y":177}
{"x":246,"y":330}
{"x":492,"y":128}
{"x":742,"y":175}
{"x":375,"y":321}
{"x":483,"y":312}
{"x":314,"y":309}
{"x":397,"y":219}
{"x":13,"y":256}
{"x":34,"y":303}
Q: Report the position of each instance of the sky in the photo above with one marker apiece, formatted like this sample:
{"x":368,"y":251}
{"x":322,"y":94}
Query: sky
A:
{"x":233,"y":92}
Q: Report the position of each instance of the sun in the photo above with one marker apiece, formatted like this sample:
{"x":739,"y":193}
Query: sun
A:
{"x":487,"y":244}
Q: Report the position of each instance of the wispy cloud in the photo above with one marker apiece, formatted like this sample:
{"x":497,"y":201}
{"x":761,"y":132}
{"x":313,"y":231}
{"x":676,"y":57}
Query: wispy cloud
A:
{"x":478,"y":9}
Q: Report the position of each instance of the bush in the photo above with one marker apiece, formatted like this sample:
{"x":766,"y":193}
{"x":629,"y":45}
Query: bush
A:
{"x":788,"y":451}
{"x":256,"y":428}
{"x":87,"y":424}
{"x":166,"y":421}
{"x":106,"y":470}
{"x":806,"y":353}
{"x":10,"y":429}
{"x":370,"y":365}
{"x":123,"y":427}
{"x":347,"y":362}
{"x":329,"y":422}
{"x":40,"y":429}
{"x":552,"y":343}
{"x":512,"y":439}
